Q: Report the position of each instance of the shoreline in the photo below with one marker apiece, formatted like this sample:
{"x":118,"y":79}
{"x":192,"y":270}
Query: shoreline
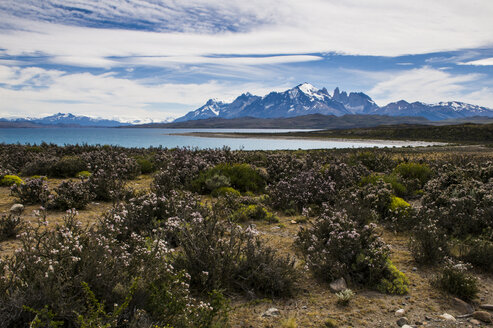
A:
{"x":233,"y":135}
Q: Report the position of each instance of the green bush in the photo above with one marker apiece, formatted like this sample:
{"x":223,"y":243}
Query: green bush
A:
{"x":83,"y":175}
{"x":67,"y":166}
{"x":217,"y":181}
{"x":401,"y":216}
{"x":479,"y":252}
{"x":409,"y":171}
{"x":146,"y":165}
{"x":9,"y":180}
{"x":397,"y":187}
{"x":242,"y":177}
{"x":254,"y":213}
{"x":455,"y":280}
{"x":395,"y":282}
{"x":223,"y":191}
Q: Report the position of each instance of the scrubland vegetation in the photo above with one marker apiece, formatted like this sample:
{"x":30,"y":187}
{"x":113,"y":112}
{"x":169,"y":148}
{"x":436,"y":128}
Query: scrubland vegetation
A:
{"x":211,"y":234}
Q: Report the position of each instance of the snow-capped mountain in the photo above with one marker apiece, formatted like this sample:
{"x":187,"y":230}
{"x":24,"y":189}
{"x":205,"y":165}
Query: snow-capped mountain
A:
{"x":69,"y":119}
{"x":303,"y":99}
{"x":306,"y":99}
{"x":435,"y":112}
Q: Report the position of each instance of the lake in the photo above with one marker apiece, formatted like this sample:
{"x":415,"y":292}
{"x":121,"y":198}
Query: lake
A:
{"x":168,"y":138}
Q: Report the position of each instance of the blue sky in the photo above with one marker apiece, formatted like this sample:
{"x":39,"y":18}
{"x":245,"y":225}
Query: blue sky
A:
{"x":151,"y":59}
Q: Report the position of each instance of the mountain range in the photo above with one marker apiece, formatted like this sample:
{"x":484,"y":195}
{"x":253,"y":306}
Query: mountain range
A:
{"x":305,"y":99}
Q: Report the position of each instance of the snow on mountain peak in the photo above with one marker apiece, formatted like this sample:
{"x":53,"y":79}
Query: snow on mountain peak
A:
{"x":310,"y":91}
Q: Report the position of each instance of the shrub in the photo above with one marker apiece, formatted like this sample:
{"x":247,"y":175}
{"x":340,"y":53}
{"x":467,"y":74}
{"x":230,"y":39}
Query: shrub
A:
{"x":146,"y":165}
{"x":397,"y":187}
{"x":335,"y":246}
{"x":254,"y":213}
{"x":222,"y":255}
{"x":304,"y":189}
{"x":70,"y":194}
{"x":9,"y":180}
{"x":217,"y":181}
{"x":10,"y":226}
{"x":455,"y":280}
{"x":106,"y":185}
{"x":463,"y":207}
{"x":67,"y":166}
{"x":414,"y":171}
{"x":429,"y":243}
{"x":479,"y":252}
{"x":401,"y":216}
{"x":223,"y":191}
{"x":33,"y":191}
{"x":83,"y":174}
{"x":395,"y":282}
{"x":243,"y":177}
{"x":52,"y":265}
{"x":373,"y":160}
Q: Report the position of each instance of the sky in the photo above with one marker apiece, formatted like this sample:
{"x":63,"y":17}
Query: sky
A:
{"x":155,"y":59}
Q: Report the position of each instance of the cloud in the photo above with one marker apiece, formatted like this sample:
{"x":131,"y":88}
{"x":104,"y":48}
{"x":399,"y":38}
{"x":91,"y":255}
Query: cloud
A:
{"x":480,"y":62}
{"x":431,"y":85}
{"x":282,"y":27}
{"x":106,"y":95}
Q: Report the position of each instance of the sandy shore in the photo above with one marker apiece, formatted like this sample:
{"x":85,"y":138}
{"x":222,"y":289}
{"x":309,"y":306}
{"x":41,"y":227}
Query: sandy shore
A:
{"x":285,"y":137}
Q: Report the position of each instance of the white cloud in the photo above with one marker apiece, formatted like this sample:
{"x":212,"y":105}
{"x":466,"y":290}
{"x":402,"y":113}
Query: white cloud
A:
{"x":480,"y":62}
{"x":379,"y":27}
{"x":106,"y":95}
{"x":430,"y":85}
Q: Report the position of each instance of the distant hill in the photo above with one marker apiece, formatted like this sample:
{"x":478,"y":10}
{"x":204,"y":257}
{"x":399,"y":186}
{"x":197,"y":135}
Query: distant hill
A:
{"x":305,"y":99}
{"x":460,"y":133}
{"x":313,"y":121}
{"x":60,"y":120}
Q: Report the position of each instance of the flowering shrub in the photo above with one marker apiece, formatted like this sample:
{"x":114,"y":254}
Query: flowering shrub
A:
{"x":52,"y":264}
{"x":429,"y":241}
{"x":301,"y":190}
{"x":223,"y":255}
{"x":455,"y":280}
{"x":460,"y":205}
{"x":10,"y":226}
{"x":106,"y":185}
{"x":33,"y":191}
{"x":335,"y":246}
{"x":70,"y":194}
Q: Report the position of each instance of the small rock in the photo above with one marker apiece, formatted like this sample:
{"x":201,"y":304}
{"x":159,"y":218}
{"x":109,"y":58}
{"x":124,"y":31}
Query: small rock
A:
{"x":402,"y":321}
{"x":415,"y":269}
{"x":17,"y":209}
{"x":475,"y":322}
{"x":293,"y":222}
{"x":482,"y":316}
{"x":407,"y":326}
{"x":338,"y":285}
{"x":461,"y":306}
{"x":447,"y":317}
{"x":488,"y":307}
{"x":272,"y":312}
{"x":427,"y":318}
{"x":400,"y":313}
{"x":304,"y":307}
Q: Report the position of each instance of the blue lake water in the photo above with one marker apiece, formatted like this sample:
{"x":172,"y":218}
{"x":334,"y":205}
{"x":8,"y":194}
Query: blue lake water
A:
{"x":167,"y":138}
